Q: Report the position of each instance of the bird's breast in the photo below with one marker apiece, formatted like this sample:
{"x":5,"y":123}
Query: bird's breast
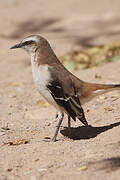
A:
{"x":41,"y":76}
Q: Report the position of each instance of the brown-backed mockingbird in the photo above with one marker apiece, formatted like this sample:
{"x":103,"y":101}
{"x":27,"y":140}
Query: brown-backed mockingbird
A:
{"x":56,"y":84}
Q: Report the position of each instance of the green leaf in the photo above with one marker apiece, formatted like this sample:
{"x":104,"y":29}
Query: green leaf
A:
{"x":115,"y":58}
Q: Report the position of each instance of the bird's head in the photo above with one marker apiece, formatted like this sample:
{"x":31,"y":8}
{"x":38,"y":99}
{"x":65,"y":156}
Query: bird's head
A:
{"x":32,"y":43}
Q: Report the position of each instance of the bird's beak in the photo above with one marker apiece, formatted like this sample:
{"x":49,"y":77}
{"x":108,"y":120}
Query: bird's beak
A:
{"x":16,"y":46}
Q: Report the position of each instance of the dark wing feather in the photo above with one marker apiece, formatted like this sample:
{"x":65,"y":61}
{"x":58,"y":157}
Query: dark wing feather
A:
{"x":78,"y":109}
{"x":71,"y":104}
{"x":57,"y":93}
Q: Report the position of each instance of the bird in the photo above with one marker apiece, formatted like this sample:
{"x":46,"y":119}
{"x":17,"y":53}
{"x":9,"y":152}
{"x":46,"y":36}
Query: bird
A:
{"x":66,"y":92}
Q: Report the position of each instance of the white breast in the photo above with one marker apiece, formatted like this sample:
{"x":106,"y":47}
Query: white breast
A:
{"x":41,"y":77}
{"x":41,"y":74}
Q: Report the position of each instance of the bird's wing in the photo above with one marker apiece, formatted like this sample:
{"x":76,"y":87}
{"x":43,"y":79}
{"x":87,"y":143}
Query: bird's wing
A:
{"x":64,"y":93}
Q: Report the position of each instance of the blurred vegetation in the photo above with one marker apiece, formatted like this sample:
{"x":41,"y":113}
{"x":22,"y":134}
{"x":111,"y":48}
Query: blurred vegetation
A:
{"x":91,"y":57}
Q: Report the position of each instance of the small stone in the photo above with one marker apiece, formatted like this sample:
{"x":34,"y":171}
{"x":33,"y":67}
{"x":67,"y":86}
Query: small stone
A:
{"x":9,"y":113}
{"x":9,"y":169}
{"x":42,"y":169}
{"x":109,"y":108}
{"x":97,"y":76}
{"x":88,"y":110}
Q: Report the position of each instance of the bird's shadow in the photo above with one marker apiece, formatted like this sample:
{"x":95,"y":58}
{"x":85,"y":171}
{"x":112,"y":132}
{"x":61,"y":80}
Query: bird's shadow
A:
{"x":86,"y":132}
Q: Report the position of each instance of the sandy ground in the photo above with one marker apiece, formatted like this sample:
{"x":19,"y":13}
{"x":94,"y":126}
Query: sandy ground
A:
{"x":90,"y":152}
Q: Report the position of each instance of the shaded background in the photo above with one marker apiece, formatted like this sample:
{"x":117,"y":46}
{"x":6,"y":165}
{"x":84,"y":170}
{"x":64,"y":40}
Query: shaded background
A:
{"x":66,"y":24}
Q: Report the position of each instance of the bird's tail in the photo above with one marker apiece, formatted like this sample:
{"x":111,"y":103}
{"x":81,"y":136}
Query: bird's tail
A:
{"x":94,"y":86}
{"x":91,"y":90}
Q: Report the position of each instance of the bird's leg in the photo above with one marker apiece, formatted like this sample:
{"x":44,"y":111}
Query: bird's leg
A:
{"x":60,"y":119}
{"x":69,"y":124}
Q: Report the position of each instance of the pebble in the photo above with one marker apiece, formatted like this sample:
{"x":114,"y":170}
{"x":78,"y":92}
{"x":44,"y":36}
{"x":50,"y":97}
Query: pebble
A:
{"x":33,"y":177}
